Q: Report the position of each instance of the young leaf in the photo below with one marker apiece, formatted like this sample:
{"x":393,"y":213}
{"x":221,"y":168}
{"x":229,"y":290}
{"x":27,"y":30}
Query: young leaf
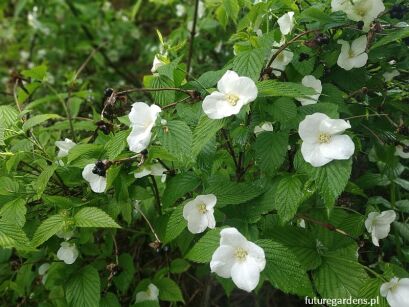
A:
{"x":47,"y":229}
{"x":94,"y":217}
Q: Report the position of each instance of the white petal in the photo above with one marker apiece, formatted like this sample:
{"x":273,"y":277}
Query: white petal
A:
{"x":360,"y":60}
{"x":227,"y":81}
{"x":312,"y":82}
{"x":358,"y":46}
{"x":339,"y":5}
{"x":309,"y":128}
{"x":399,"y":296}
{"x":375,"y":240}
{"x":370,"y":220}
{"x":211,"y":221}
{"x":139,"y":139}
{"x":386,"y":217}
{"x":143,"y":116}
{"x":245,"y":88}
{"x":99,"y":185}
{"x":156,"y":64}
{"x":381,"y":231}
{"x":334,"y":126}
{"x":222,"y":261}
{"x":64,"y":147}
{"x":312,"y":154}
{"x":257,"y":253}
{"x":143,"y":173}
{"x":157,"y":169}
{"x":43,"y":268}
{"x":340,"y":147}
{"x":209,"y":200}
{"x":245,"y":274}
{"x":67,"y":253}
{"x":87,"y":173}
{"x":216,"y":106}
{"x":231,"y":236}
{"x":388,"y":76}
{"x":286,"y":23}
{"x":197,"y":222}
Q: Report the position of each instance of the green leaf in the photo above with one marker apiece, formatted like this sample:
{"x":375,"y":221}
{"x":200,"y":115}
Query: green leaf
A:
{"x":176,"y":137}
{"x":47,"y":229}
{"x":402,"y":229}
{"x":283,"y":110}
{"x":271,"y":149}
{"x":178,"y":266}
{"x":169,"y":290}
{"x":371,"y":291}
{"x":175,"y":225}
{"x":282,"y":89}
{"x":178,"y":186}
{"x":37,"y":72}
{"x":43,"y":178}
{"x":38,"y":119}
{"x":13,"y":236}
{"x":14,"y":212}
{"x":203,"y":250}
{"x":232,"y":193}
{"x":249,"y":63}
{"x":206,"y":129}
{"x":116,"y":144}
{"x":232,"y":9}
{"x":282,"y":266}
{"x":94,"y":217}
{"x":8,"y":186}
{"x":288,"y":197}
{"x":163,"y":97}
{"x":331,"y":179}
{"x":83,"y":288}
{"x":82,"y":154}
{"x":391,"y":36}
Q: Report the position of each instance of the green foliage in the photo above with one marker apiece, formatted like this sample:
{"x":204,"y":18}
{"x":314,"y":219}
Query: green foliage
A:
{"x":94,"y":217}
{"x":83,"y":288}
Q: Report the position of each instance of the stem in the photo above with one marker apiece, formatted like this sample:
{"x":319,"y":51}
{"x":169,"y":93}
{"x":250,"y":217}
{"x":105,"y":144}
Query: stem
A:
{"x":175,"y":103}
{"x":149,"y":224}
{"x":155,"y":191}
{"x":328,"y":226}
{"x":230,"y":148}
{"x":366,"y":115}
{"x":192,"y":37}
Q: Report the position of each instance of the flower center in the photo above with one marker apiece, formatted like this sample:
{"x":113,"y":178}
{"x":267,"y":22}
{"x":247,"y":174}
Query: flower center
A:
{"x":202,"y":208}
{"x":324,"y":138}
{"x":232,"y":99}
{"x":240,"y":254}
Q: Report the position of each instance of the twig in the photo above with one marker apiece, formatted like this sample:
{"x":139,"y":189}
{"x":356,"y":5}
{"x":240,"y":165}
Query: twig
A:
{"x":229,"y":147}
{"x":155,"y":191}
{"x":192,"y":37}
{"x":175,"y":103}
{"x":149,"y":224}
{"x":366,"y":115}
{"x":328,"y":226}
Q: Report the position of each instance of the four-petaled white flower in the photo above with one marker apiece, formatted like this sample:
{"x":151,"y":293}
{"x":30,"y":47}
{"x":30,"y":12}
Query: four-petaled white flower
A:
{"x":199,"y":213}
{"x":64,"y":147}
{"x":155,"y":170}
{"x":389,"y":75}
{"x":151,"y":294}
{"x":323,"y":141}
{"x":239,"y":259}
{"x":379,"y":224}
{"x":396,"y":292}
{"x":353,"y":55}
{"x":143,"y":118}
{"x":286,"y":23}
{"x":68,"y":252}
{"x":97,"y":182}
{"x":266,"y":126}
{"x":401,"y":151}
{"x":233,"y":93}
{"x":310,"y":81}
{"x":281,"y":61}
{"x":359,"y":10}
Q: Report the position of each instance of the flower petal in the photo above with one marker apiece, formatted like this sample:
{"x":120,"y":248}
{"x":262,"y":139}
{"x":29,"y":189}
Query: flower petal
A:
{"x":309,"y":128}
{"x":139,"y":139}
{"x":257,"y":253}
{"x":99,"y":185}
{"x":222,"y":261}
{"x":358,"y":46}
{"x":312,"y":154}
{"x":360,"y":60}
{"x":334,"y":126}
{"x":231,"y":236}
{"x":87,"y":173}
{"x":216,"y":106}
{"x":227,"y":81}
{"x":246,"y":274}
{"x":286,"y":23}
{"x":209,"y":200}
{"x":386,"y":217}
{"x":340,"y":147}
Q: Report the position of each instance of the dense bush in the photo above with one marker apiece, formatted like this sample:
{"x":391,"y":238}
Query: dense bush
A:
{"x":178,"y":153}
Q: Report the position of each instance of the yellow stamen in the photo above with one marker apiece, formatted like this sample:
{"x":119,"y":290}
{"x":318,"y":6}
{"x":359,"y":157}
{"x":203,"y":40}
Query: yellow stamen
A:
{"x":232,"y":99}
{"x":241,"y":254}
{"x":202,"y":208}
{"x":324,"y":138}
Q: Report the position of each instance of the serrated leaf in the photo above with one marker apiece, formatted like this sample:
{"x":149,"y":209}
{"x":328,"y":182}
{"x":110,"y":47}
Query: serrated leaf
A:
{"x":203,"y":250}
{"x":288,"y":197}
{"x":175,"y":225}
{"x":83,"y":288}
{"x":43,"y":178}
{"x":169,"y":290}
{"x":249,"y":63}
{"x":178,"y":186}
{"x":283,"y":109}
{"x":392,"y":36}
{"x":271,"y":88}
{"x":37,"y":72}
{"x":47,"y":229}
{"x":82,"y":154}
{"x":94,"y":217}
{"x":176,"y":137}
{"x":371,"y":291}
{"x":271,"y":149}
{"x":14,"y":212}
{"x":331,"y":180}
{"x":13,"y":236}
{"x":282,"y":265}
{"x":8,"y":186}
{"x":38,"y":119}
{"x":163,"y":97}
{"x":204,"y":131}
{"x":116,"y":144}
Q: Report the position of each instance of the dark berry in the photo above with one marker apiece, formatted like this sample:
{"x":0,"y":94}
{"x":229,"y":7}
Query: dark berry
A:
{"x":165,"y":248}
{"x":108,"y":92}
{"x":99,"y":168}
{"x":303,"y":56}
{"x":105,"y":127}
{"x":398,"y":11}
{"x":322,"y":39}
{"x":360,"y":25}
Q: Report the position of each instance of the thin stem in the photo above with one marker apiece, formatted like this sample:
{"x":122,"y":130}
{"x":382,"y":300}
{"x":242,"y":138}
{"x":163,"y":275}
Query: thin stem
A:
{"x":328,"y":226}
{"x":155,"y":191}
{"x":192,"y":37}
{"x":229,"y":147}
{"x":366,"y":115}
{"x":149,"y":224}
{"x":175,"y":103}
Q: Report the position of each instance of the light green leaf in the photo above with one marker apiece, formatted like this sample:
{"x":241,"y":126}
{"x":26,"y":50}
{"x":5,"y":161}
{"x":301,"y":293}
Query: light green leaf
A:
{"x":47,"y":229}
{"x":283,"y":89}
{"x":203,"y":133}
{"x":43,"y":178}
{"x":8,"y":186}
{"x":392,"y":36}
{"x":169,"y":290}
{"x":37,"y":72}
{"x":13,"y":236}
{"x":288,"y":197}
{"x":176,"y":137}
{"x":116,"y":144}
{"x":178,"y":186}
{"x":83,"y":288}
{"x":203,"y":250}
{"x":38,"y":119}
{"x":14,"y":212}
{"x":232,"y":9}
{"x":94,"y":217}
{"x":82,"y":154}
{"x":249,"y":63}
{"x":175,"y":225}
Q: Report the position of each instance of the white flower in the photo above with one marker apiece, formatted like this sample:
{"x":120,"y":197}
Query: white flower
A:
{"x":396,"y":292}
{"x":311,"y":81}
{"x":233,"y":93}
{"x":199,"y":213}
{"x":151,"y":294}
{"x":281,"y":61}
{"x":359,"y":10}
{"x":155,"y":170}
{"x":98,"y":183}
{"x":266,"y":126}
{"x":323,"y":141}
{"x":64,"y":147}
{"x":156,"y":64}
{"x":389,"y":75}
{"x":143,"y":118}
{"x":399,"y":151}
{"x":379,"y":224}
{"x":354,"y":55}
{"x":286,"y":23}
{"x":239,"y":259}
{"x":42,"y":270}
{"x":68,"y":252}
{"x":180,"y":10}
{"x":201,"y":9}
